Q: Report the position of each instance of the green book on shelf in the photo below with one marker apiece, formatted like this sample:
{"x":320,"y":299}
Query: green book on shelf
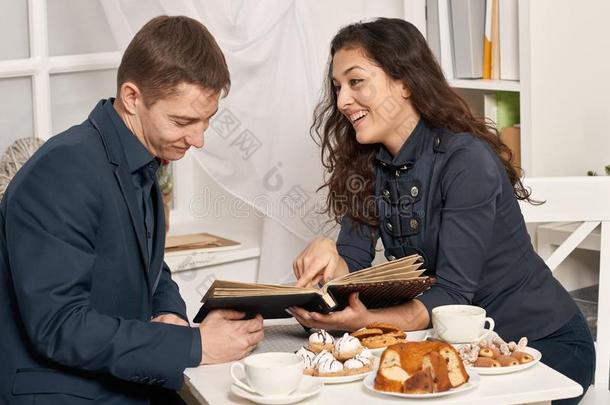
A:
{"x":507,"y":109}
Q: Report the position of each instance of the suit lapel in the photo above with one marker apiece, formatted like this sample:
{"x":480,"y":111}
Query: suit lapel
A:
{"x":108,"y":131}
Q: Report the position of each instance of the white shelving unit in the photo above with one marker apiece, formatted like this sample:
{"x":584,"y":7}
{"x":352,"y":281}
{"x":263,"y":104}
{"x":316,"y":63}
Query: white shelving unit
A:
{"x":563,"y":88}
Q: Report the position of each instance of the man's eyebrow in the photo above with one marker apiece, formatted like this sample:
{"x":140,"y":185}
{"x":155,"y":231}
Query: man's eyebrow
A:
{"x":185,"y":118}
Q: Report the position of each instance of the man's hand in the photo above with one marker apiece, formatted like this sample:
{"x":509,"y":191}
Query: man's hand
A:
{"x":225,"y":336}
{"x":171,"y":319}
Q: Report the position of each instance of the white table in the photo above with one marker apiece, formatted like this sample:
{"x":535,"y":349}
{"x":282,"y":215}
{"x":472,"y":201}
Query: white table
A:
{"x":539,"y":383}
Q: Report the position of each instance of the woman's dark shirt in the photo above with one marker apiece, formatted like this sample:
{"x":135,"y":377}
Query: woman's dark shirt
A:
{"x":447,"y":197}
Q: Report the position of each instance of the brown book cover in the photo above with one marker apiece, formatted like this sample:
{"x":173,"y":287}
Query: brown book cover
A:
{"x":379,"y":286}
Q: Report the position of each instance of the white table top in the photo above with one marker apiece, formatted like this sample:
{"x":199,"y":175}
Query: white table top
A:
{"x":539,"y":383}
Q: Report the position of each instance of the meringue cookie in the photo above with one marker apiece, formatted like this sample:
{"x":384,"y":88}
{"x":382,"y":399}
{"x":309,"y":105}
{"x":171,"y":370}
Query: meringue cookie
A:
{"x":347,"y":347}
{"x":329,"y":367}
{"x":307,"y":356}
{"x":323,"y":356}
{"x":355,"y":363}
{"x":321,"y":337}
{"x":365,"y":353}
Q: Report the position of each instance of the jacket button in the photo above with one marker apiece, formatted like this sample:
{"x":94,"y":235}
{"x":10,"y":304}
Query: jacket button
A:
{"x":437,"y":142}
{"x":386,"y":194}
{"x":390,"y":257}
{"x":414,"y":191}
{"x":397,"y":173}
{"x":413,"y":223}
{"x":389,"y":226}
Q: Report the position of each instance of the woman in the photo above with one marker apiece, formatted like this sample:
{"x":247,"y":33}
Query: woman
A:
{"x":408,"y":162}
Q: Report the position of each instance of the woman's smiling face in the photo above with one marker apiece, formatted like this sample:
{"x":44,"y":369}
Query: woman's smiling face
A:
{"x":377,"y":106}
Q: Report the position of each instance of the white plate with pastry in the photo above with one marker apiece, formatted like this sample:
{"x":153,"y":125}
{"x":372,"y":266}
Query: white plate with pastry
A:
{"x":534,"y":354}
{"x":473,"y":381}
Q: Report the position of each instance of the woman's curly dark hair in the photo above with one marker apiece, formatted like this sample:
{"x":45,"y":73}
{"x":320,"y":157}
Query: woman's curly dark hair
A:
{"x":397,"y":47}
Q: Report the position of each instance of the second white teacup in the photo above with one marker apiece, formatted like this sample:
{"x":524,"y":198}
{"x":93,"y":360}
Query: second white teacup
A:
{"x":270,"y":374}
{"x":461,"y":323}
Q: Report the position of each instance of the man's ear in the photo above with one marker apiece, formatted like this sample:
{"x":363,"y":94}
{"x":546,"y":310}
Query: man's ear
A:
{"x":130,"y":95}
{"x":406,"y":93}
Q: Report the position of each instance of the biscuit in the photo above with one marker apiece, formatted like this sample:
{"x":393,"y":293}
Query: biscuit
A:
{"x":375,"y":342}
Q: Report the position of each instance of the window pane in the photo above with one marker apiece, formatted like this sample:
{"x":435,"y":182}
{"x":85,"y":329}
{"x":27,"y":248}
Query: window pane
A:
{"x":77,"y":27}
{"x":14,"y":29}
{"x":16,"y":120}
{"x":73,"y":95}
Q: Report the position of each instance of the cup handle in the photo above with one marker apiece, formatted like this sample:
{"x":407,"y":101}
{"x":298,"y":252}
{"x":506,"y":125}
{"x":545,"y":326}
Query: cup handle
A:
{"x":238,"y":381}
{"x":490,"y":329}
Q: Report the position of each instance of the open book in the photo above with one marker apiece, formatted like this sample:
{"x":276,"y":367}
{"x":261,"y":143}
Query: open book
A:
{"x":379,"y":286}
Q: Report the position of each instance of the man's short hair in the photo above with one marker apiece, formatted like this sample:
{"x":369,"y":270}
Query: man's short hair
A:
{"x":168,"y":51}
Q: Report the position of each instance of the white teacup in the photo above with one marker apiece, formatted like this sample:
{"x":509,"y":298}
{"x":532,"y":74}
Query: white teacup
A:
{"x":270,"y":374}
{"x":461,"y":323}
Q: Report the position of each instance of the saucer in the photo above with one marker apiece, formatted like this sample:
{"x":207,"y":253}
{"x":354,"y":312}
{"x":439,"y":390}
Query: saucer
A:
{"x":307,"y":388}
{"x":431,"y":334}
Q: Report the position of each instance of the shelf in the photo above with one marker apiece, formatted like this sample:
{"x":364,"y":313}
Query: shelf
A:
{"x":247,"y":234}
{"x":480,"y":84}
{"x":556,"y":233}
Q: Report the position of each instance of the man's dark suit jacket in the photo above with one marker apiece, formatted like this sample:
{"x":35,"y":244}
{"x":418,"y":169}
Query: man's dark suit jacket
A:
{"x":76,"y":297}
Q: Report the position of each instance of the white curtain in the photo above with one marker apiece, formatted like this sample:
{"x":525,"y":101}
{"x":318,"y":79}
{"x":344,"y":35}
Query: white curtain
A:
{"x":258,"y":146}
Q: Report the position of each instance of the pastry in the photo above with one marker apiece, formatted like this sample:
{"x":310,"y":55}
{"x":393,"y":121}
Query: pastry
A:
{"x":438,"y":368}
{"x":346,"y":347}
{"x":507,"y":361}
{"x":522,"y":357}
{"x":375,"y":342}
{"x":486,"y":362}
{"x":366,"y":332}
{"x":409,"y":367}
{"x":321,"y":340}
{"x":307,"y":356}
{"x":357,"y":365}
{"x":324,"y":355}
{"x":329,"y":367}
{"x":490,"y":352}
{"x":419,"y":383}
{"x":365,"y":353}
{"x":385,"y":327}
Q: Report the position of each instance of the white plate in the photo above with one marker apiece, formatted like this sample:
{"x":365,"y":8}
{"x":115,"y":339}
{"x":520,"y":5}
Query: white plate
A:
{"x":413,"y":336}
{"x":505,"y":370}
{"x":348,"y":378}
{"x":473,"y":382}
{"x":307,"y":388}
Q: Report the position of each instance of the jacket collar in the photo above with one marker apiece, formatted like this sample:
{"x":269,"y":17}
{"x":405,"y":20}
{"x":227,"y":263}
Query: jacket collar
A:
{"x":110,"y":128}
{"x":410,"y":150}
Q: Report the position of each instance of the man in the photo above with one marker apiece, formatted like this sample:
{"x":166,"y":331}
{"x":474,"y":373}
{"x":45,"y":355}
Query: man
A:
{"x":88,"y":307}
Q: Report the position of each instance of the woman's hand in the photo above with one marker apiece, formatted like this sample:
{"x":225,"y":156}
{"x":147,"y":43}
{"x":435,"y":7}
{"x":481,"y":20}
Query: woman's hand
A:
{"x":353,"y":317}
{"x":319,"y":261}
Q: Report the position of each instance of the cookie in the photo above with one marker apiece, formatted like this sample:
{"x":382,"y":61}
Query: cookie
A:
{"x":375,"y":342}
{"x":385,"y":327}
{"x":366,"y":332}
